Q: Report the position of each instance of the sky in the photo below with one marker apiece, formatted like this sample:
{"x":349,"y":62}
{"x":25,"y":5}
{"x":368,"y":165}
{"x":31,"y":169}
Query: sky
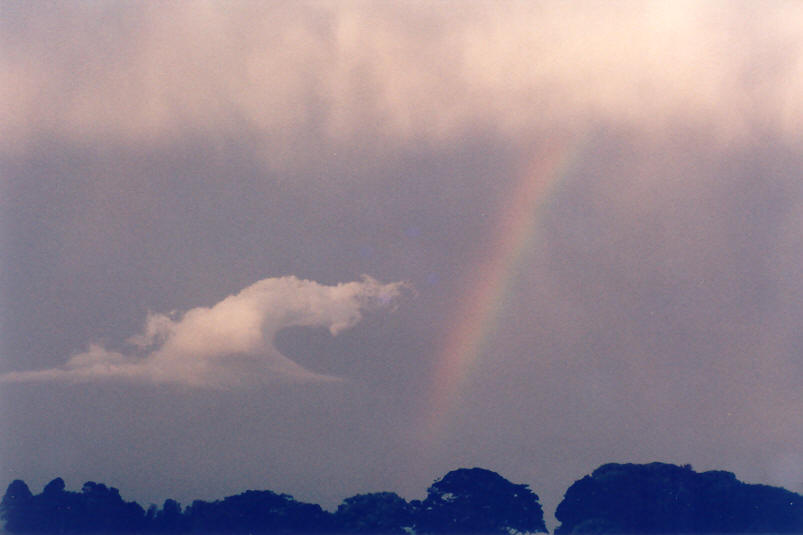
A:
{"x":328,"y":248}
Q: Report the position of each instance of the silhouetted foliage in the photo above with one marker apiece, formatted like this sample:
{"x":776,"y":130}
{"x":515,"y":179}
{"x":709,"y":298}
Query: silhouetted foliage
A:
{"x":16,"y":507}
{"x":257,"y":512}
{"x":479,"y":501}
{"x":169,"y":518}
{"x":96,"y":509}
{"x":664,"y":498}
{"x":377,"y":513}
{"x":105,"y":511}
{"x":615,"y":498}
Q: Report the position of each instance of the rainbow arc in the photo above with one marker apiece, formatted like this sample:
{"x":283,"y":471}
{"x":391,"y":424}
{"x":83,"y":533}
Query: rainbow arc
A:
{"x":488,"y":284}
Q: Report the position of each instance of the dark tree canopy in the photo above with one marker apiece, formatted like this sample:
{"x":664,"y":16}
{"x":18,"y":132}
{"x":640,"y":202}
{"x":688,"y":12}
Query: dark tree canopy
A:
{"x":377,"y":513}
{"x":615,"y":498}
{"x":664,"y":498}
{"x":463,"y":501}
{"x":54,"y":488}
{"x":16,"y":508}
{"x":476,"y":500}
{"x":96,"y":509}
{"x":169,"y":518}
{"x":256,"y":511}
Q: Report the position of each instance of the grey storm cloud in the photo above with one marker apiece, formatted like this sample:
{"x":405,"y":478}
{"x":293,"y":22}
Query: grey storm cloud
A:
{"x":158,"y":72}
{"x":231,"y":342}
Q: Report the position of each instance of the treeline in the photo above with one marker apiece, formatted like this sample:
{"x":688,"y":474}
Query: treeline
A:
{"x":615,"y":498}
{"x":664,"y":498}
{"x":465,"y":500}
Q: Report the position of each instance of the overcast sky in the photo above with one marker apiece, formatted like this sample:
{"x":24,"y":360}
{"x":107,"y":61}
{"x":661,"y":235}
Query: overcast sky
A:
{"x":332,"y":248}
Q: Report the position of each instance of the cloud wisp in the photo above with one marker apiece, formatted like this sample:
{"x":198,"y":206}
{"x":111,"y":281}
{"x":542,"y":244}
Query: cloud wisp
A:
{"x":230,"y":343}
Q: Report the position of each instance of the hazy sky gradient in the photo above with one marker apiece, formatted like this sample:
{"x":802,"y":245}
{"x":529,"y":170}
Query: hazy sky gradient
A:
{"x":159,"y":159}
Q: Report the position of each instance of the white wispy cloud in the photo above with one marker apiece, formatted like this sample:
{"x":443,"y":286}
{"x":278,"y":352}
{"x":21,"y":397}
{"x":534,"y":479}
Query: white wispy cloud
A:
{"x":230,"y":343}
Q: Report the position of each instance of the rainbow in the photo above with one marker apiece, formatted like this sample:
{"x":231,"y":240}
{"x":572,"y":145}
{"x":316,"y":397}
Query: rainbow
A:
{"x":489,"y":283}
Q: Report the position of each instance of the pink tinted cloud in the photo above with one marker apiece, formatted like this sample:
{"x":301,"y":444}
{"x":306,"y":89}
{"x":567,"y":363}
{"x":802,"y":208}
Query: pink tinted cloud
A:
{"x":401,"y":72}
{"x":230,"y":343}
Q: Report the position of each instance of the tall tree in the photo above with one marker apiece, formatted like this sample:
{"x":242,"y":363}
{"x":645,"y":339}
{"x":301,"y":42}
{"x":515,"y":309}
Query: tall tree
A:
{"x":15,"y":509}
{"x":476,"y":500}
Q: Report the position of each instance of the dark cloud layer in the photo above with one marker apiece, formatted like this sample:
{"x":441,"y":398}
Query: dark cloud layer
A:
{"x":164,"y":157}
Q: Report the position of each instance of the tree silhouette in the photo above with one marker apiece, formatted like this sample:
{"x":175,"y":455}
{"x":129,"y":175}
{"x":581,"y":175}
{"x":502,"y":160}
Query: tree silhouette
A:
{"x":664,"y":498}
{"x":377,"y":513}
{"x":257,"y":512}
{"x":169,"y":518}
{"x":15,"y":509}
{"x":476,"y":500}
{"x":615,"y":498}
{"x":95,"y":509}
{"x":105,"y":511}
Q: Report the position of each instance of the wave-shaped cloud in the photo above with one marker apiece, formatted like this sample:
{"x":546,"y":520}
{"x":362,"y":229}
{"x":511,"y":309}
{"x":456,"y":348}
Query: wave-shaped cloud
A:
{"x":230,"y":343}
